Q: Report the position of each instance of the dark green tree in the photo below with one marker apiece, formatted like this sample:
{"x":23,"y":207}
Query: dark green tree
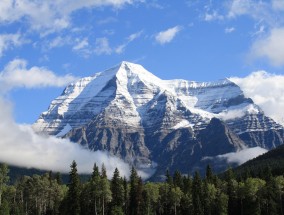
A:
{"x":117,"y":191}
{"x":135,"y":195}
{"x":209,"y":174}
{"x":73,"y":195}
{"x":197,"y":195}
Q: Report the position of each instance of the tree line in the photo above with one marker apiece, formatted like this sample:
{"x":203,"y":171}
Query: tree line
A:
{"x":178,"y":194}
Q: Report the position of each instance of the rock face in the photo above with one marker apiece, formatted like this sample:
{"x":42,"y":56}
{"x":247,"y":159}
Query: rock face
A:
{"x":135,"y":115}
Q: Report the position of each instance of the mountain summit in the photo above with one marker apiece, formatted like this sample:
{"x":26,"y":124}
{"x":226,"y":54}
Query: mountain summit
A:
{"x":175,"y":124}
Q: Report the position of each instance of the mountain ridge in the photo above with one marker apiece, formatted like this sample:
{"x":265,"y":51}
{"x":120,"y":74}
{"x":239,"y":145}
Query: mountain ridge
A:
{"x":144,"y":120}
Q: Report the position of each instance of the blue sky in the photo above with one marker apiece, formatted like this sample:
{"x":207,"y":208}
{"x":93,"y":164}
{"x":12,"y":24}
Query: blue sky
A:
{"x":45,"y":44}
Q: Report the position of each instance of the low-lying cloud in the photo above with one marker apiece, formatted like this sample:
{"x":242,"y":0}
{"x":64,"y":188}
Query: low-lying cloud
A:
{"x":242,"y":156}
{"x":21,"y":146}
{"x":266,"y":90}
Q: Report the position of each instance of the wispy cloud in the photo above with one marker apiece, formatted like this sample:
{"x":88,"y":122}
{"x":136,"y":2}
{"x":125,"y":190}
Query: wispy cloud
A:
{"x":8,"y":41}
{"x":120,"y":49}
{"x":229,"y":30}
{"x":106,"y":21}
{"x":266,"y":90}
{"x":168,"y":35}
{"x":278,"y":4}
{"x":81,"y":44}
{"x":261,"y":11}
{"x":213,"y":16}
{"x":102,"y":46}
{"x":58,"y":41}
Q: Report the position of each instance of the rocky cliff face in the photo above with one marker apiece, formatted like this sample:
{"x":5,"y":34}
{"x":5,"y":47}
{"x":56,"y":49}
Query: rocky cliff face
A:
{"x":135,"y":115}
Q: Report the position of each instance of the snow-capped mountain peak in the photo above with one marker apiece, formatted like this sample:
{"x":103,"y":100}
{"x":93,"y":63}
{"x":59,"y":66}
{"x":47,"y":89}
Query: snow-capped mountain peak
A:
{"x":141,"y":118}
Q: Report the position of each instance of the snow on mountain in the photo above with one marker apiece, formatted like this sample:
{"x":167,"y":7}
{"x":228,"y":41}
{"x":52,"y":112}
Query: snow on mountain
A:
{"x":130,"y":85}
{"x":131,"y":113}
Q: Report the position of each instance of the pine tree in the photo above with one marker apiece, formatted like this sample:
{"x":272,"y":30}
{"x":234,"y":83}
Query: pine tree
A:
{"x":125,"y":195}
{"x":197,"y":195}
{"x":117,"y":190}
{"x":133,"y":202}
{"x":73,"y":195}
{"x":209,"y":174}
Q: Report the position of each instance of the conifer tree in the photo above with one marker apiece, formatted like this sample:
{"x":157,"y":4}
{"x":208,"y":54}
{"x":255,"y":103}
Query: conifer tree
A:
{"x":133,"y":201}
{"x":117,"y":190}
{"x":209,"y":174}
{"x":197,"y":195}
{"x":73,"y":195}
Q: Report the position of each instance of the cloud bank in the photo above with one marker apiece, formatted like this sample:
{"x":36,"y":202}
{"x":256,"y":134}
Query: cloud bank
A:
{"x":266,"y":90}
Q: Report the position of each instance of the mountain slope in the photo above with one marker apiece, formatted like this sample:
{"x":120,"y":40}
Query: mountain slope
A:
{"x":147,"y":121}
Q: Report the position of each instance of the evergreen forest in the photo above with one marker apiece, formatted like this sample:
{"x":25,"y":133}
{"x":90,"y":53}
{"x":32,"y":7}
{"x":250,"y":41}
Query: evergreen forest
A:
{"x":179,"y":194}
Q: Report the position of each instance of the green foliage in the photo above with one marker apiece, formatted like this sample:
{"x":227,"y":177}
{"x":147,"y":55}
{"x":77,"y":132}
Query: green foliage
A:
{"x":45,"y":195}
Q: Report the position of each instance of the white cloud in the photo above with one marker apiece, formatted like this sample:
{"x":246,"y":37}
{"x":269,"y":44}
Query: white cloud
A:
{"x":8,"y":41}
{"x":242,"y":156}
{"x":213,"y":16}
{"x":278,"y":4}
{"x":106,"y":21}
{"x":239,"y":7}
{"x":266,"y":90}
{"x":270,"y":47}
{"x":231,"y":114}
{"x":167,"y":35}
{"x":81,"y":44}
{"x":50,"y":15}
{"x":58,"y":42}
{"x":16,"y":74}
{"x":120,"y":49}
{"x":102,"y":46}
{"x":229,"y":30}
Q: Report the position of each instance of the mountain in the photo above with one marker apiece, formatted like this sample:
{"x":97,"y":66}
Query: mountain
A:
{"x":154,"y":123}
